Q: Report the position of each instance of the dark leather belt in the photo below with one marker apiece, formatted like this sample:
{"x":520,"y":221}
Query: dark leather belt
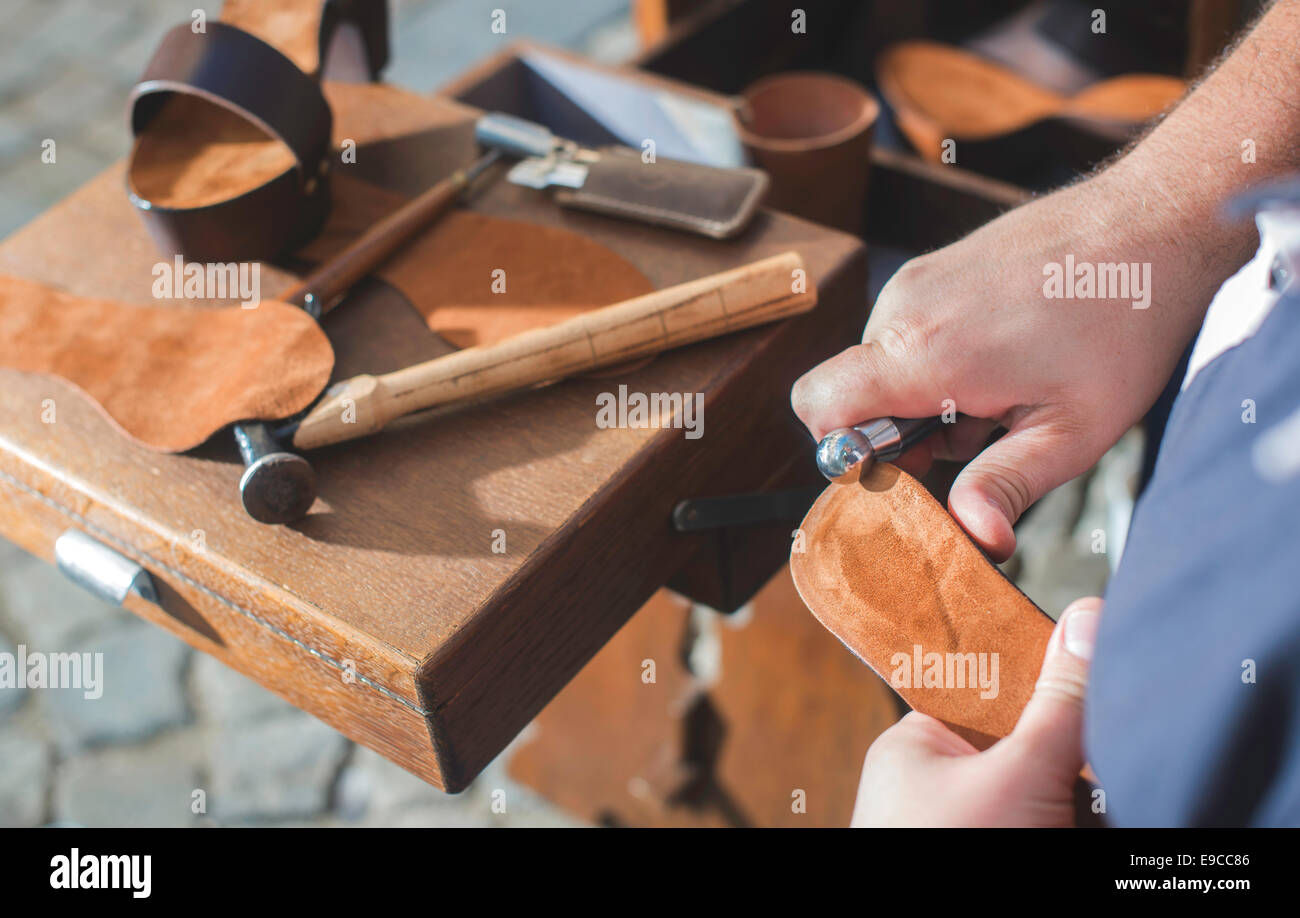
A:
{"x":238,"y":71}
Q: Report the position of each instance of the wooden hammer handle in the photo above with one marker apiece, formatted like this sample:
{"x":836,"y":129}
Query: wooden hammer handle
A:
{"x":321,"y":289}
{"x":763,"y":291}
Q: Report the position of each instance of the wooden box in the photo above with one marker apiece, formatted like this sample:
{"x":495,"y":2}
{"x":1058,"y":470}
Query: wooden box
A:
{"x":386,"y":613}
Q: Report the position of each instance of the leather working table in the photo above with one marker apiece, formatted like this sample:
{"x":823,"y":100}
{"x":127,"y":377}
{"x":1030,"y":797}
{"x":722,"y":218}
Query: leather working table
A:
{"x":386,"y":613}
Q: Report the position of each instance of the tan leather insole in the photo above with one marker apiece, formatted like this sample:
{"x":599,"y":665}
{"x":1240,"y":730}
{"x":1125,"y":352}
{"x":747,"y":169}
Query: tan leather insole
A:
{"x":886,"y":569}
{"x":940,"y":91}
{"x":194,"y":152}
{"x":169,"y":377}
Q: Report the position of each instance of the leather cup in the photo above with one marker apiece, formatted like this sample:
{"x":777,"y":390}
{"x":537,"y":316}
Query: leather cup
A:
{"x":812,"y":133}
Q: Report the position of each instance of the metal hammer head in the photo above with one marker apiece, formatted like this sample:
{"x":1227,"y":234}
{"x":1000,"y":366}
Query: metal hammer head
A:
{"x":844,"y":454}
{"x":277,"y":486}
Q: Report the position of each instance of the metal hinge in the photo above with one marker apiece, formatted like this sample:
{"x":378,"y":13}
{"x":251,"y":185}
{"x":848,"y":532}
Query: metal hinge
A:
{"x":103,"y":571}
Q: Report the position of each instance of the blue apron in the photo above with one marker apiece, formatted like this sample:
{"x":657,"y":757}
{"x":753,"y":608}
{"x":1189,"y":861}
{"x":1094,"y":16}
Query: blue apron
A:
{"x":1193,"y":710}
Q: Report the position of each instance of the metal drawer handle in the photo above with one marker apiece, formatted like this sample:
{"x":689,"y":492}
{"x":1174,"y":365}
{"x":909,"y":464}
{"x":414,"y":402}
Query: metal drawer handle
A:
{"x":108,"y":574}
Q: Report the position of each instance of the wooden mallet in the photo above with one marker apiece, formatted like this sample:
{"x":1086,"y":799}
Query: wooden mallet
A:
{"x":754,"y":294}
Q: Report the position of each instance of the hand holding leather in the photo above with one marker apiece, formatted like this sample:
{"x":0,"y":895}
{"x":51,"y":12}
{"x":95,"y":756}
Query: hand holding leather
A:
{"x":920,"y":773}
{"x":890,"y":574}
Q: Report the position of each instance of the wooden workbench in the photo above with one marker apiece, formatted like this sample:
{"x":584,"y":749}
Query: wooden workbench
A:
{"x":386,"y":612}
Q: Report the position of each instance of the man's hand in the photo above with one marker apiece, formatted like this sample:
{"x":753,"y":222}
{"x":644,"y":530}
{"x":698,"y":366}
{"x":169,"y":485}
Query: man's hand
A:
{"x":920,"y":773}
{"x":969,"y":327}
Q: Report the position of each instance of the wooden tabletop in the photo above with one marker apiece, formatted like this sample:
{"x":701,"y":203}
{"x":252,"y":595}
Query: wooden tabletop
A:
{"x":386,"y":612}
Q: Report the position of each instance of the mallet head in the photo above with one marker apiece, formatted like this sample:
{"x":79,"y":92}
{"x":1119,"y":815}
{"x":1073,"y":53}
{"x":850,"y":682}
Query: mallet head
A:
{"x":277,"y":486}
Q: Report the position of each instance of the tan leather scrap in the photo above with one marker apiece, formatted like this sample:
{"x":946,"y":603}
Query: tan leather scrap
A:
{"x":449,"y":273}
{"x":889,"y":572}
{"x":168,"y":377}
{"x":546,"y":275}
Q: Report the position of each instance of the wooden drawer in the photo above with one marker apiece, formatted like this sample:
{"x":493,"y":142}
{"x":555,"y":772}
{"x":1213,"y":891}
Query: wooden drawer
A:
{"x":362,"y":689}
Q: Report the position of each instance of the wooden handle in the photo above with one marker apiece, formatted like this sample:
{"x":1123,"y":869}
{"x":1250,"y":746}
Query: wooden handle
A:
{"x":764,"y":291}
{"x":332,"y":279}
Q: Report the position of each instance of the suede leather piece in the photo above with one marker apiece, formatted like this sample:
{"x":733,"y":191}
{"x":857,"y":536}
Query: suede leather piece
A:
{"x":446,"y":272}
{"x":168,"y":377}
{"x":550,"y":274}
{"x":887,"y":568}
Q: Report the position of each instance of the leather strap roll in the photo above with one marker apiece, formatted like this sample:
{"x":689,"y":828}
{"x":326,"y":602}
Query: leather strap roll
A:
{"x":230,"y":68}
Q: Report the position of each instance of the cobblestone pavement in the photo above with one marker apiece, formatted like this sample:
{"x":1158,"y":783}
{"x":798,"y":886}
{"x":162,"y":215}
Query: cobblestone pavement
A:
{"x":177,"y":722}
